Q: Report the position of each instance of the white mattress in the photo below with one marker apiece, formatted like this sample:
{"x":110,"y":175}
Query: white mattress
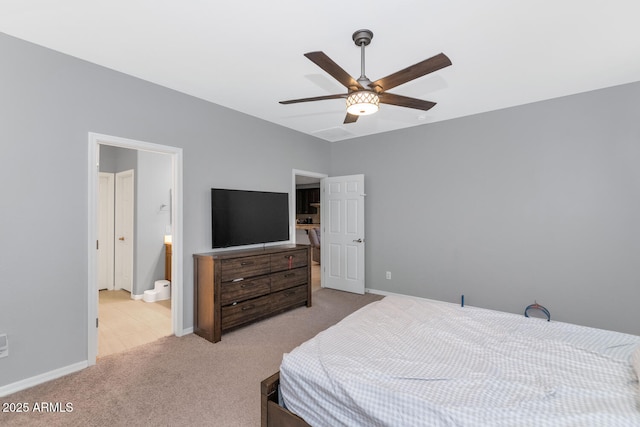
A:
{"x":412,"y":362}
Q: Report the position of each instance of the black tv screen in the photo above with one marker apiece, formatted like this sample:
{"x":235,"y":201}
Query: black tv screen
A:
{"x":240,"y":217}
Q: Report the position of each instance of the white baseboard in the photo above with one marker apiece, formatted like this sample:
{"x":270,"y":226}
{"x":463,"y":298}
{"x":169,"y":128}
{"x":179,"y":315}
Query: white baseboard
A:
{"x":42,"y":378}
{"x":378,"y":292}
{"x":186,"y":331}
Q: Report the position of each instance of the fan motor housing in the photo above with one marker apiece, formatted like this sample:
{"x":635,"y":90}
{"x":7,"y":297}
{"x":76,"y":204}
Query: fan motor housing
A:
{"x":362,"y":37}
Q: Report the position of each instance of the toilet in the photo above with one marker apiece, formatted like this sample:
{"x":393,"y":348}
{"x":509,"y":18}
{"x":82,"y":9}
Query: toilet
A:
{"x":161,"y":291}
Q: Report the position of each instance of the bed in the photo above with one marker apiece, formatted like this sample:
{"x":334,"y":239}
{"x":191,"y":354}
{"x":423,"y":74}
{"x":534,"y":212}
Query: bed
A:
{"x":405,"y":361}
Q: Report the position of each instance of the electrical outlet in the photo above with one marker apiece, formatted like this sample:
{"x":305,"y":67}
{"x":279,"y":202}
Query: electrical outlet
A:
{"x":388,"y":275}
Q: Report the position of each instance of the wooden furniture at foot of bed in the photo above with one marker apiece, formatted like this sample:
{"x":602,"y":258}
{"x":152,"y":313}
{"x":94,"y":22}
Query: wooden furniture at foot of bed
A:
{"x":272,"y":414}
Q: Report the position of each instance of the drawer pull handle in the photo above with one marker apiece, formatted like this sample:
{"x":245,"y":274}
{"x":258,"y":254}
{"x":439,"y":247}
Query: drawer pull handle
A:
{"x":289,"y":294}
{"x":247,"y":307}
{"x":289,"y":274}
{"x":246,"y":263}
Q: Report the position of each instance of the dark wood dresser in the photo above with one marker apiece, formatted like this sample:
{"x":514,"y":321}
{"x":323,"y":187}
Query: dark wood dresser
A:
{"x":233,"y":288}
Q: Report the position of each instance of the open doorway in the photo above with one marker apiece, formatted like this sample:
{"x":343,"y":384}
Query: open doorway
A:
{"x":134,"y":248}
{"x":164,"y":223}
{"x":307,"y":218}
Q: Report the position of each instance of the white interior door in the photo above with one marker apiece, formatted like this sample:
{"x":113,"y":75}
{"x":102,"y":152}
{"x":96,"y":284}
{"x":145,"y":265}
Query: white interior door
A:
{"x":105,"y":229}
{"x":343,"y":233}
{"x":124,"y":205}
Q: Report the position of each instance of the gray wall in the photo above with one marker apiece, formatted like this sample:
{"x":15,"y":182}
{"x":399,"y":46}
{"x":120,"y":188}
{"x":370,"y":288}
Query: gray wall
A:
{"x":49,"y":102}
{"x":153,"y":182}
{"x":539,"y":202}
{"x":117,"y":159}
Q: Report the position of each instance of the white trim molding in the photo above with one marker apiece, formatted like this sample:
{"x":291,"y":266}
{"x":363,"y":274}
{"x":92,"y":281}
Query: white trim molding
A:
{"x":177,"y":301}
{"x":42,"y":378}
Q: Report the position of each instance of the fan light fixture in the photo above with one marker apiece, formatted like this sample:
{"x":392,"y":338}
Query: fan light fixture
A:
{"x":364,"y":96}
{"x":363,"y":102}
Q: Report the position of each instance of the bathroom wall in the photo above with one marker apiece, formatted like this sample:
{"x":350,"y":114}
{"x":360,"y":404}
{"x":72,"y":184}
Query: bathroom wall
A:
{"x":151,"y":207}
{"x":152,"y":218}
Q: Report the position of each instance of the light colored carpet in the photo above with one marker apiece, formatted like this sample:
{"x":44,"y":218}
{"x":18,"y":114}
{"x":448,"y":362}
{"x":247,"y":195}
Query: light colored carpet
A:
{"x":185,"y":381}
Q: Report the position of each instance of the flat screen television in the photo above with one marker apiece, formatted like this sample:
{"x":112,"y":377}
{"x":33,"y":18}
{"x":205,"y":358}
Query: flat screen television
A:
{"x":241,"y":217}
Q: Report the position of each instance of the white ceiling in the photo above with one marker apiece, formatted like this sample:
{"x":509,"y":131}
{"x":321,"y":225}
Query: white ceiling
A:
{"x":248,"y":55}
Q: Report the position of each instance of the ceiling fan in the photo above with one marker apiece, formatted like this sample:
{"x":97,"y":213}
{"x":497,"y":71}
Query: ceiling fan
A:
{"x":364,"y":96}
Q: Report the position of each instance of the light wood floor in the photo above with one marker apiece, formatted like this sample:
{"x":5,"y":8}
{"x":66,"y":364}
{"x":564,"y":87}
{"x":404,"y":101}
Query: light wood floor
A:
{"x":126,"y":323}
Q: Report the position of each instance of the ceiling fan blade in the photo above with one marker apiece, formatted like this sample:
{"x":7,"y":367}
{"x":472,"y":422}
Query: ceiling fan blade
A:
{"x":405,"y":101}
{"x":327,"y":64}
{"x":420,"y":69}
{"x":350,"y":118}
{"x":315,"y":98}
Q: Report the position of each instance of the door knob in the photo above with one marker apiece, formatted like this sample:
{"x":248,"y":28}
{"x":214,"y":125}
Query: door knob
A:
{"x":121,"y":238}
{"x":358,"y":241}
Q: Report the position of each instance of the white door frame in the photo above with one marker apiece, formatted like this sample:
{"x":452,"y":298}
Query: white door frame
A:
{"x":95,"y":140}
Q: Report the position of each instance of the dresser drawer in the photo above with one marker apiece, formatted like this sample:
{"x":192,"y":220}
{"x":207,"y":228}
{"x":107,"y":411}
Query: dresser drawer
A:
{"x":244,"y":289}
{"x":289,"y":260}
{"x":289,"y":297}
{"x":243,"y":312}
{"x":243,"y":268}
{"x":288,"y":279}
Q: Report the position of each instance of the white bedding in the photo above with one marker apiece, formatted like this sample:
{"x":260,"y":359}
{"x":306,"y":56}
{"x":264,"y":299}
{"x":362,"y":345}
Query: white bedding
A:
{"x":412,"y":362}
